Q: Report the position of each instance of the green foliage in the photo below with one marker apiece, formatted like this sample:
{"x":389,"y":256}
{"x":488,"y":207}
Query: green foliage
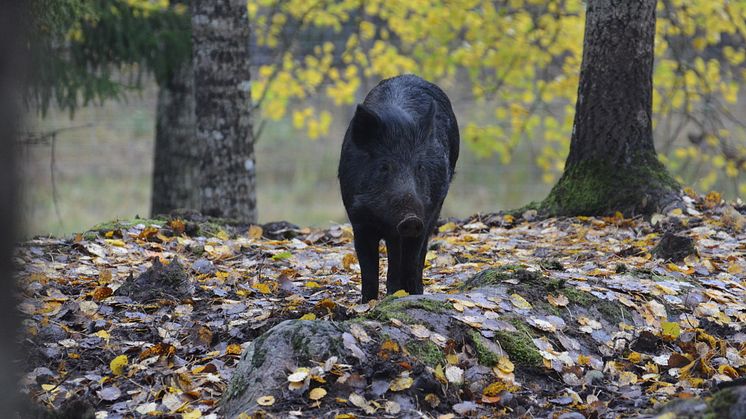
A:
{"x":95,"y":50}
{"x":518,"y":61}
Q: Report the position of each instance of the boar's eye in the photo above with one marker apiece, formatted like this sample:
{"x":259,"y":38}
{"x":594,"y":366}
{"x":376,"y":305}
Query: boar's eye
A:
{"x":420,"y":167}
{"x":384,"y":168}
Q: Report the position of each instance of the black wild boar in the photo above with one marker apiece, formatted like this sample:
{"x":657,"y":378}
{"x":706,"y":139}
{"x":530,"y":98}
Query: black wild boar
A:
{"x":398,"y":158}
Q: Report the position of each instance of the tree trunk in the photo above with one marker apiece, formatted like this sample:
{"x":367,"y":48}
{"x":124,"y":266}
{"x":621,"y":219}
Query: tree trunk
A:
{"x":177,"y":152}
{"x":220,"y":49}
{"x":612,"y":165}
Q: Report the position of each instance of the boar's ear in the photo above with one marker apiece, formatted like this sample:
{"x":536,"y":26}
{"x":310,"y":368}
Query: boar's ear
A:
{"x":365,"y":125}
{"x":427,"y":122}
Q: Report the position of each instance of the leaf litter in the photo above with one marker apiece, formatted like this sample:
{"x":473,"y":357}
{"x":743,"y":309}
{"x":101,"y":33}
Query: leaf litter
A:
{"x":609,"y":327}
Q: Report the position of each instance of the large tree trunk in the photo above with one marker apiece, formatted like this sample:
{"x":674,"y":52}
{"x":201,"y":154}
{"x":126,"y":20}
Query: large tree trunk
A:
{"x":177,"y":151}
{"x":220,"y":49}
{"x":612,"y":165}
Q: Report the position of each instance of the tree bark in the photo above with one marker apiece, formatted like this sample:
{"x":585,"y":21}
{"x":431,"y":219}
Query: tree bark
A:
{"x":220,"y":49}
{"x":177,"y":151}
{"x":612,"y":165}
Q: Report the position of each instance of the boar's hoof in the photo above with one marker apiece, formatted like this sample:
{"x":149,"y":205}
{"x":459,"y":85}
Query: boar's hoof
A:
{"x":410,"y":226}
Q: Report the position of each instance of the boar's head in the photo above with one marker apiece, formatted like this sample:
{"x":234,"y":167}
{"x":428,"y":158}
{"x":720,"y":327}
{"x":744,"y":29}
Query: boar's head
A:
{"x":401,"y":167}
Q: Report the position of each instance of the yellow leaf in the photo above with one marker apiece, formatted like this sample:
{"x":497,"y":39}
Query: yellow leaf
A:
{"x":449,"y":226}
{"x":118,"y":364}
{"x":255,"y":232}
{"x":265,"y":401}
{"x":504,"y":365}
{"x":635,"y":357}
{"x":317,"y":394}
{"x":103,"y":334}
{"x":312,"y":284}
{"x":558,"y":301}
{"x":440,"y":374}
{"x":115,"y":242}
{"x":401,"y":383}
{"x":222,"y":235}
{"x":193,"y":414}
{"x":282,"y":255}
{"x":400,"y":293}
{"x":348,"y":260}
{"x":520,"y":302}
{"x":233,"y":349}
{"x":262,"y":288}
{"x":299,"y":375}
{"x":671,"y":329}
{"x":308,"y":316}
{"x":452,"y":359}
{"x":48,"y":387}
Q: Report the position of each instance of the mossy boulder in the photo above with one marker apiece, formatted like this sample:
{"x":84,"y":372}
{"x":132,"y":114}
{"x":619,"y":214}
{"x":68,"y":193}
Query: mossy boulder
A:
{"x":728,"y":403}
{"x":268,"y":360}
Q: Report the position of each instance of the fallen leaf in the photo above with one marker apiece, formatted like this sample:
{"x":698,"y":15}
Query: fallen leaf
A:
{"x":118,"y":364}
{"x":317,"y":394}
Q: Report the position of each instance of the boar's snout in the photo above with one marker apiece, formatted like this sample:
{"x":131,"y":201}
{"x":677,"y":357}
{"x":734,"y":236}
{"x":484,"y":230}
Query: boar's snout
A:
{"x":410,"y":226}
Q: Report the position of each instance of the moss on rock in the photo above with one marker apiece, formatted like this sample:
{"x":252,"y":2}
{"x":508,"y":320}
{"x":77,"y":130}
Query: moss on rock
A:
{"x":396,"y":308}
{"x":485,"y":355}
{"x":519,"y":345}
{"x":426,"y":352}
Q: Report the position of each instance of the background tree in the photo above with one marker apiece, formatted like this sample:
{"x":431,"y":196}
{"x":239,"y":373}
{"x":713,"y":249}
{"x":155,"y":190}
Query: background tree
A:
{"x":222,"y":95}
{"x":519,"y":60}
{"x":102,"y":49}
{"x":612,"y":165}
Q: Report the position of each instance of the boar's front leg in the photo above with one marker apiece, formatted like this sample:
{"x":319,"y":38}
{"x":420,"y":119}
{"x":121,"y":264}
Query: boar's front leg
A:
{"x":366,"y":247}
{"x":394,"y":273}
{"x":412,"y":262}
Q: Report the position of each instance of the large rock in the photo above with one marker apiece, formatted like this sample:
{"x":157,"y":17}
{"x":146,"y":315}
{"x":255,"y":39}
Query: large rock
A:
{"x":729,"y":403}
{"x":268,"y":360}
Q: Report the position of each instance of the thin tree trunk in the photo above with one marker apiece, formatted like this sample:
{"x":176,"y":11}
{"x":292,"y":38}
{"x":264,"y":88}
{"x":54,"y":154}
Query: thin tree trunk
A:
{"x":220,"y":49}
{"x":177,"y":152}
{"x":612,"y":165}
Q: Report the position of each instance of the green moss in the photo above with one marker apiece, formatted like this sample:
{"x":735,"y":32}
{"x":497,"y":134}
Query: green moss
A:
{"x":260,"y":353}
{"x":484,"y":354}
{"x":237,"y":386}
{"x":579,"y":297}
{"x":500,"y":274}
{"x":720,"y":404}
{"x":519,"y":345}
{"x":598,"y":188}
{"x":520,"y":348}
{"x":426,"y":352}
{"x":551,"y":264}
{"x":611,"y":310}
{"x":120,"y":224}
{"x":396,"y":308}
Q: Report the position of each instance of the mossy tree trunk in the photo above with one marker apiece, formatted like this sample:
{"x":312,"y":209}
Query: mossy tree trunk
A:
{"x":177,"y":152}
{"x":222,"y":95}
{"x":612,"y":165}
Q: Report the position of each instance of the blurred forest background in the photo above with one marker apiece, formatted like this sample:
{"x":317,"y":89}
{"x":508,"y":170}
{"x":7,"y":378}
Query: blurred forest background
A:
{"x":510,"y":68}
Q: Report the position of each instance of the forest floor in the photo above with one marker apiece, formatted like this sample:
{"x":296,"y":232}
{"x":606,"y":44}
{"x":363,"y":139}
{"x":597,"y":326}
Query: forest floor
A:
{"x":572,"y":317}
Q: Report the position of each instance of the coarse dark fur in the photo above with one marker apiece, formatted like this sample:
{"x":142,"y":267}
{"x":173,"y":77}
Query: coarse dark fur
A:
{"x":398,"y":158}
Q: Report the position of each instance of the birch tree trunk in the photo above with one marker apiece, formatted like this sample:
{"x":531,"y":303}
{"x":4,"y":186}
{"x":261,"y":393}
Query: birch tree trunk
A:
{"x":613,"y":165}
{"x":177,"y":151}
{"x":220,"y":50}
